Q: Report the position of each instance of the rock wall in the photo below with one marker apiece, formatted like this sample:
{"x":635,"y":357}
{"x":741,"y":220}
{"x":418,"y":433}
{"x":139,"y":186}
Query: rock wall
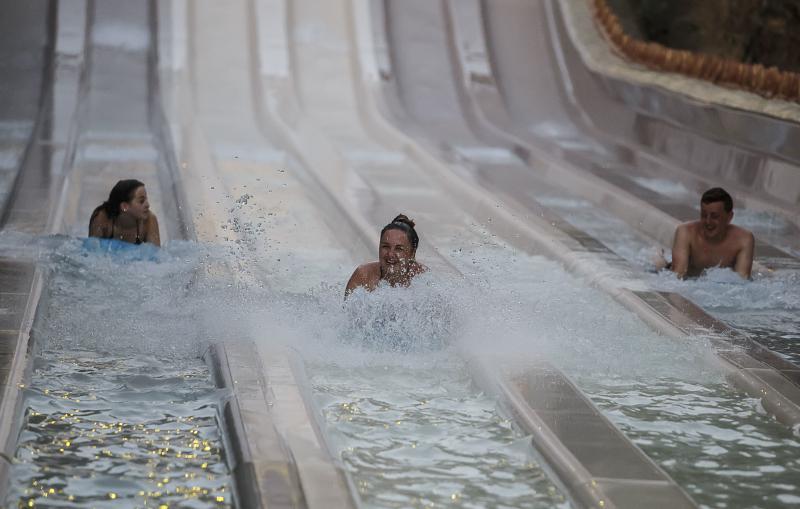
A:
{"x":766,"y":32}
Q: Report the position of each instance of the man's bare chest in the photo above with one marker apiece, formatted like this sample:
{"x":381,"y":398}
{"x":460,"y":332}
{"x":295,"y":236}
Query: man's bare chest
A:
{"x":704,"y":254}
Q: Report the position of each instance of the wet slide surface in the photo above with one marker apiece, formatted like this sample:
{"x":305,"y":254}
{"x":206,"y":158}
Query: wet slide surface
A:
{"x":293,"y":131}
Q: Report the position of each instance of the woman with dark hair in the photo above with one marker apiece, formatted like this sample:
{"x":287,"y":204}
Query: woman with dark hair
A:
{"x":396,"y":264}
{"x":126,"y":215}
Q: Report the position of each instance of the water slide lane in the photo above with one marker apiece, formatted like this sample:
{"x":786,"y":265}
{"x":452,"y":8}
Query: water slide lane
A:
{"x":30,"y":143}
{"x":311,"y":25}
{"x":97,"y":126}
{"x":318,"y":44}
{"x":670,"y":134}
{"x":346,"y":131}
{"x":254,"y":198}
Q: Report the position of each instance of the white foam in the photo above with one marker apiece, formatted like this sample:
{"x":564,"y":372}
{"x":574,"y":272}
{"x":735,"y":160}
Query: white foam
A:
{"x":490,"y":155}
{"x":666,"y":187}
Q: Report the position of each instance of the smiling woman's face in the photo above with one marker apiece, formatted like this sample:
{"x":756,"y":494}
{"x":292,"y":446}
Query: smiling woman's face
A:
{"x":394,"y":252}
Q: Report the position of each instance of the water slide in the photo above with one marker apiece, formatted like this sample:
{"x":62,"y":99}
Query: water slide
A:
{"x":286,"y":133}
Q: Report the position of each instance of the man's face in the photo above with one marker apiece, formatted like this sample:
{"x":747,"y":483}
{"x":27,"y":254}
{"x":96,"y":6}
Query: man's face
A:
{"x":714,"y":220}
{"x":394,"y":252}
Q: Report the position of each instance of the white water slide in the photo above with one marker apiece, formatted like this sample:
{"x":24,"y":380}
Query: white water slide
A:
{"x":541,"y":170}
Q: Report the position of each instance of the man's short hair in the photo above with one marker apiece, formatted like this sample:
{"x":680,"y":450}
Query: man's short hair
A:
{"x":718,"y":194}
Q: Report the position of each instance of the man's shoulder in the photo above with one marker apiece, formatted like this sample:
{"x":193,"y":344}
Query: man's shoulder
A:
{"x":686,"y":232}
{"x":741,"y":234}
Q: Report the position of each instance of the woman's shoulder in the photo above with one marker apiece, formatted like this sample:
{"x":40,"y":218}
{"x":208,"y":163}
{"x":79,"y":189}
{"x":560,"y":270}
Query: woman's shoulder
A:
{"x":100,"y":215}
{"x":152,"y":220}
{"x":99,"y":220}
{"x":368,"y":269}
{"x":99,"y":223}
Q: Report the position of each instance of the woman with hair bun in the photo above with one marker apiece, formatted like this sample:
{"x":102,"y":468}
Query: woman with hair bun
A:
{"x":126,"y":215}
{"x":396,"y":264}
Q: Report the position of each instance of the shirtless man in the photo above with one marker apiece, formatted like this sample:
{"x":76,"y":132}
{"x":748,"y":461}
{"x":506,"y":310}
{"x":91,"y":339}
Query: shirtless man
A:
{"x":712,"y":241}
{"x":396,"y":264}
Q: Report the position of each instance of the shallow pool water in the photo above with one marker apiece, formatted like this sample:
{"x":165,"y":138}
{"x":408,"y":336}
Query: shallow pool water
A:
{"x":135,"y":430}
{"x":422,"y":436}
{"x":718,"y":445}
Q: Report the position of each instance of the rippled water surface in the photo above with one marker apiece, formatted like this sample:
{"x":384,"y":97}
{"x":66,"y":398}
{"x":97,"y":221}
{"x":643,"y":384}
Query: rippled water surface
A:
{"x":422,"y":437}
{"x":718,"y":445}
{"x":136,"y":430}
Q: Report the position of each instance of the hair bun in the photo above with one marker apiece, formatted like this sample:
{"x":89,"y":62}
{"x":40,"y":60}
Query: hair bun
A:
{"x":402,"y":218}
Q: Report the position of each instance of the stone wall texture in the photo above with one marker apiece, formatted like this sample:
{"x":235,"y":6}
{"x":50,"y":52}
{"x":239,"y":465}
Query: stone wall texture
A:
{"x":747,"y":44}
{"x":763,"y":32}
